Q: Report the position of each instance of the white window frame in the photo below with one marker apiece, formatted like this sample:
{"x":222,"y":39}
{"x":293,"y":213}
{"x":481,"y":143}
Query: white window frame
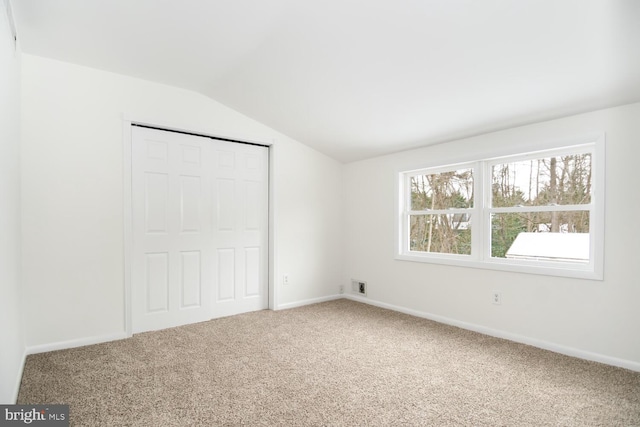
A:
{"x":480,"y":256}
{"x":406,"y":201}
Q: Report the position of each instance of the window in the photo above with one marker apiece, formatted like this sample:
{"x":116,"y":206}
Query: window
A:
{"x":538,"y":211}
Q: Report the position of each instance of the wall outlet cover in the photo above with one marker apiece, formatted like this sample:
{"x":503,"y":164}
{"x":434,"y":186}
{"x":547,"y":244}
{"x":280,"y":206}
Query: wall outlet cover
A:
{"x":496,"y":297}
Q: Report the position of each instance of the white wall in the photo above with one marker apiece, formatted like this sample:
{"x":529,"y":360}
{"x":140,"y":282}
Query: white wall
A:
{"x":593,"y":319}
{"x":12,"y":344}
{"x":72,"y":175}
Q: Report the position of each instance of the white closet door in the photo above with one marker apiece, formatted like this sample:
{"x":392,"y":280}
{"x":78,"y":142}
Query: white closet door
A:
{"x":240,"y":227}
{"x":200,"y":227}
{"x":171,"y":278}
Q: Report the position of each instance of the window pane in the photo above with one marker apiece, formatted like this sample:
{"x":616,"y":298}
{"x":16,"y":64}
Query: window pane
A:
{"x":543,"y":236}
{"x":450,"y":233}
{"x":445,"y":190}
{"x":562,"y":180}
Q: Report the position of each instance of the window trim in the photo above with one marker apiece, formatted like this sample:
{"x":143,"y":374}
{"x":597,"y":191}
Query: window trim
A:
{"x":480,"y":238}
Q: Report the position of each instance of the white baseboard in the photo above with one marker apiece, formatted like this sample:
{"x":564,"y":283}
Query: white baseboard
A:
{"x":546,"y":345}
{"x":308,"y":302}
{"x":80,"y":342}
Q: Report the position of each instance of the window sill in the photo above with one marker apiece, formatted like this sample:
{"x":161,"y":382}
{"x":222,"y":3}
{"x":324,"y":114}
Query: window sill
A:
{"x":577,"y":271}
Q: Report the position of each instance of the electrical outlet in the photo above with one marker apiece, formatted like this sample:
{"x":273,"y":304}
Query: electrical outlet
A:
{"x":285,"y":279}
{"x":496,"y":297}
{"x":342,"y":289}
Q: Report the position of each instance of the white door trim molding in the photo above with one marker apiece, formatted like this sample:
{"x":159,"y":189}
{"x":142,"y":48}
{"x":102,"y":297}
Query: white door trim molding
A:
{"x":127,"y":123}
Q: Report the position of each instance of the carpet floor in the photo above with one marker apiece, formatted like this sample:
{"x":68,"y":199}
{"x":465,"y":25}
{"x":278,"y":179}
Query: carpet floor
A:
{"x":339,"y":363}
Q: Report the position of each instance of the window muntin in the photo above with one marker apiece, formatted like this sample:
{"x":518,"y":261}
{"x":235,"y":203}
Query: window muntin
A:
{"x":532,"y":212}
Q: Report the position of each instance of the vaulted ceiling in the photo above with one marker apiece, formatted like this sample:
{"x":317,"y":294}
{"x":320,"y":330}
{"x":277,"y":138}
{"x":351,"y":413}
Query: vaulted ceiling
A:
{"x":360,"y":78}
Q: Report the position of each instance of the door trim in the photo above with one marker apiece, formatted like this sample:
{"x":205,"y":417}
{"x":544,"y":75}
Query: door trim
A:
{"x":127,"y":123}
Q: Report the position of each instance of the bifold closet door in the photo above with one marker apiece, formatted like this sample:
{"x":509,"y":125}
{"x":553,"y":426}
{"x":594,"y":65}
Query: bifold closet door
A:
{"x":200,"y":227}
{"x":240,"y":228}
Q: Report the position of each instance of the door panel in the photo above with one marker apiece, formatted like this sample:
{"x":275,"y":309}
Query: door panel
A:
{"x":252,"y":272}
{"x":157,"y":282}
{"x":171,"y":236}
{"x":226,"y":267}
{"x":156,"y":197}
{"x":240,"y":227}
{"x":190,"y":281}
{"x":190,"y":200}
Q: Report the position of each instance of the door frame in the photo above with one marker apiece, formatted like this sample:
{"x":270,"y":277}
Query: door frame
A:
{"x":127,"y":123}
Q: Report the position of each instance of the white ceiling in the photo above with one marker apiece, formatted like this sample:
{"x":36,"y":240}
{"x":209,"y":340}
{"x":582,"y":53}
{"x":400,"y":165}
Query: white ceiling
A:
{"x":360,"y":78}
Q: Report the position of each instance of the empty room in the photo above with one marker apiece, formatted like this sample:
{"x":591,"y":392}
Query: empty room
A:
{"x":336,"y":213}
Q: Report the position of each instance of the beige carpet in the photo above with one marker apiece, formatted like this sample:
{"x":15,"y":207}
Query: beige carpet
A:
{"x":339,"y":363}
